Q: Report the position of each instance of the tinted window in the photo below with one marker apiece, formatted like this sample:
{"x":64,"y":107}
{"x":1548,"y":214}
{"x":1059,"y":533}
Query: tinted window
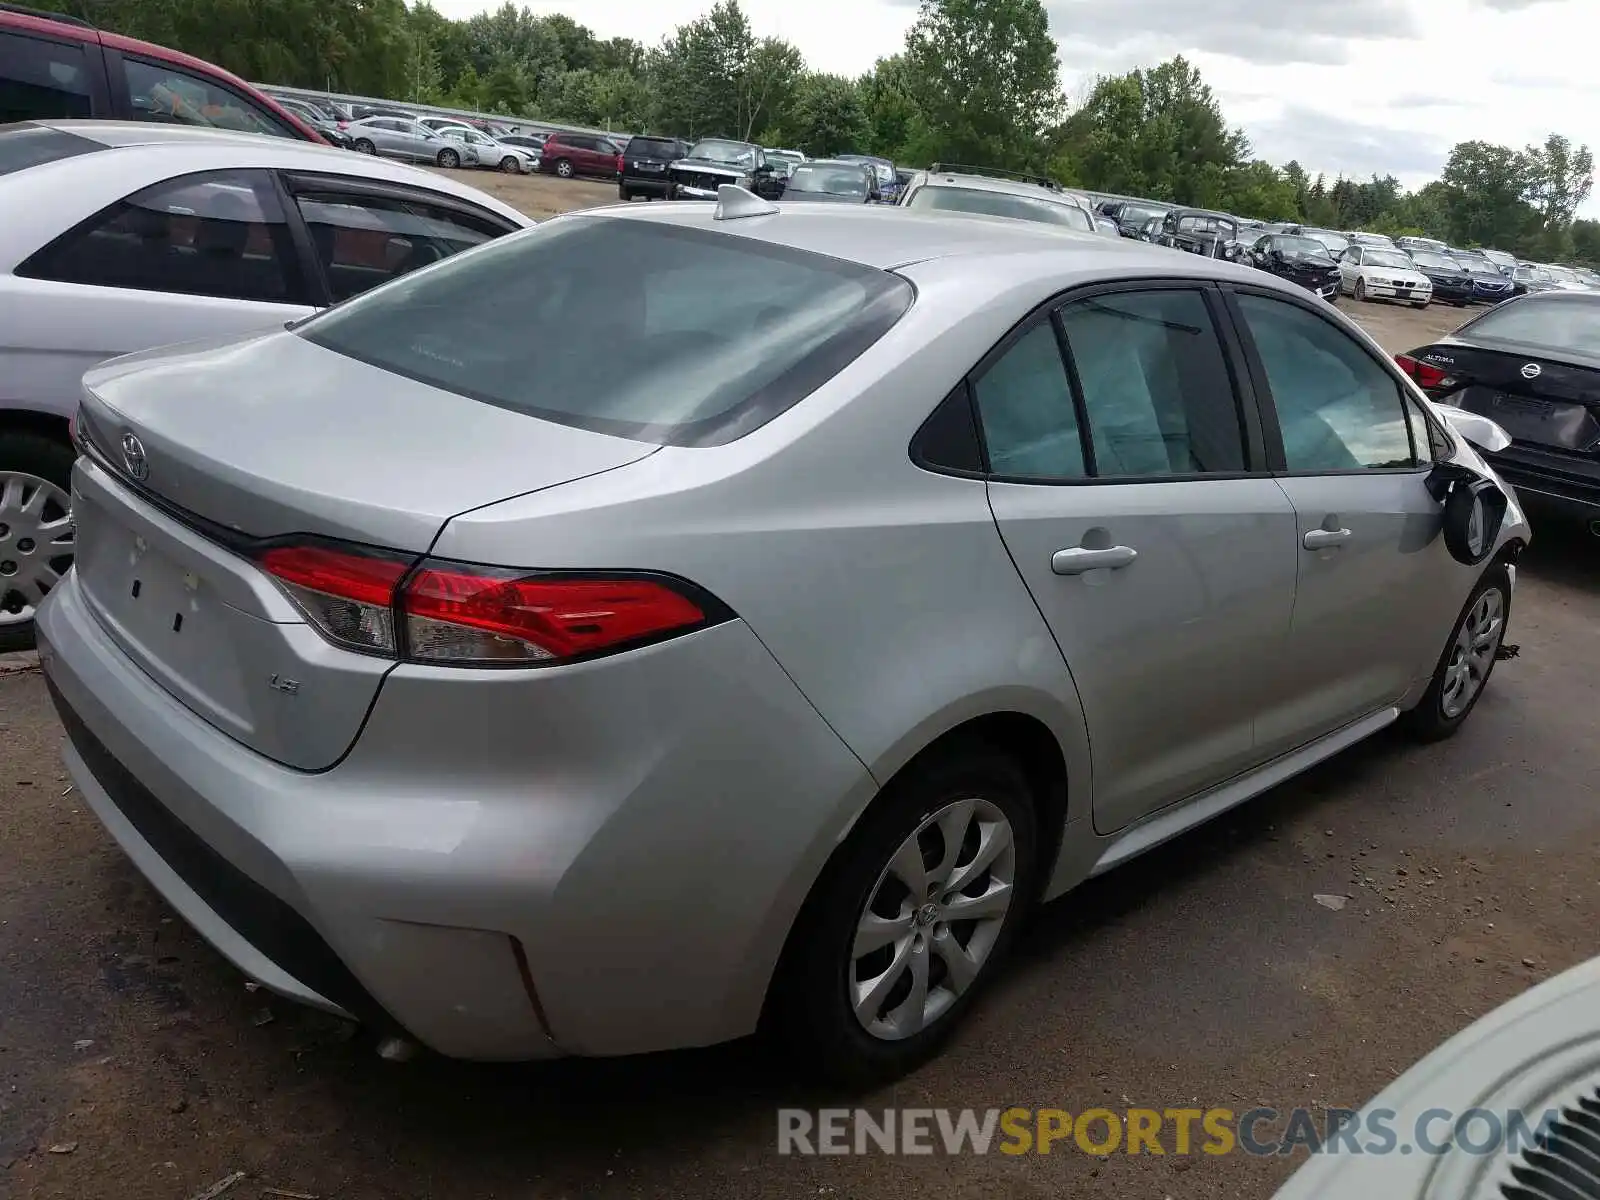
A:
{"x":1155,"y":385}
{"x":713,"y":336}
{"x":839,"y":181}
{"x":1025,"y":405}
{"x":29,"y":146}
{"x":160,"y":93}
{"x":1552,"y":322}
{"x":363,"y":241}
{"x":1337,"y":408}
{"x":1001,"y":204}
{"x":41,"y":79}
{"x":653,"y":148}
{"x":221,"y":234}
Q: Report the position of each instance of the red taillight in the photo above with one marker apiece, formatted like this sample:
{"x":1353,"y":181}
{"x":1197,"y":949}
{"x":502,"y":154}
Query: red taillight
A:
{"x":619,"y":164}
{"x":447,"y":613}
{"x":474,"y":614}
{"x":1429,"y":377}
{"x":348,"y":594}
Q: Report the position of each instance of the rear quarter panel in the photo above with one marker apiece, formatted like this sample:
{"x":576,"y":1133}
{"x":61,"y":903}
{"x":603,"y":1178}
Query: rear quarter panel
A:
{"x":883,"y":590}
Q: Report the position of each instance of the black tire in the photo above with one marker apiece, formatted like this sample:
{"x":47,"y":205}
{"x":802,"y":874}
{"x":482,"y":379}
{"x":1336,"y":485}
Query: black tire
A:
{"x":564,"y":168}
{"x":363,"y":146}
{"x":1361,"y":290}
{"x":809,"y":1010}
{"x":48,"y":458}
{"x":1427,"y":722}
{"x":510,"y":165}
{"x":449,"y":159}
{"x":623,"y":194}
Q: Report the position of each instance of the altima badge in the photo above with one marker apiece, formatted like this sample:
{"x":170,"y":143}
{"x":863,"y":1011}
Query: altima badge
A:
{"x":133,"y":457}
{"x":1532,"y":371}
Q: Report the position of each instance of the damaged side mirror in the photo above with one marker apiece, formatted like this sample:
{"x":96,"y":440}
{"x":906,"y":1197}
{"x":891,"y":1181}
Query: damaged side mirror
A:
{"x":1474,"y":510}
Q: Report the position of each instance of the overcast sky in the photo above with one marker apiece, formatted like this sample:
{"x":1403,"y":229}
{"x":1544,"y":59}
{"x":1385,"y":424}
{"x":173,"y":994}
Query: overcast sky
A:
{"x":1352,"y":86}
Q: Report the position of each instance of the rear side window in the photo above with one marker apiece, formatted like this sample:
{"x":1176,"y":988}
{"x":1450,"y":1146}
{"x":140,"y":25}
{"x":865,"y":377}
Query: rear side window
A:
{"x":221,"y":234}
{"x":162,"y":93}
{"x":1156,"y":389}
{"x":41,"y":79}
{"x":1025,"y":404}
{"x":30,"y":146}
{"x":362,"y":241}
{"x":712,"y":336}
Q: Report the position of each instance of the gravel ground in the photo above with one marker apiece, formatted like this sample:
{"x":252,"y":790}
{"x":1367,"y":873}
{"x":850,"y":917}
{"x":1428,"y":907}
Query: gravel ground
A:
{"x":135,"y":1064}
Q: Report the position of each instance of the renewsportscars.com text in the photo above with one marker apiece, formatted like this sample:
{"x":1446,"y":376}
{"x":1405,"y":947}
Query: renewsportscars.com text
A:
{"x":1175,"y":1131}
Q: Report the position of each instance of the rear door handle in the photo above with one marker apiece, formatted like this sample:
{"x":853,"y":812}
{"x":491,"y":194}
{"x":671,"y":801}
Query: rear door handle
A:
{"x":1322,"y":539}
{"x":1077,"y":559}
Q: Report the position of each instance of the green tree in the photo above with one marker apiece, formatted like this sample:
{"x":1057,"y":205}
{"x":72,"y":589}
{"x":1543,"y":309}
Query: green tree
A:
{"x":827,"y":116}
{"x":985,"y":76}
{"x":893,"y":119}
{"x":1485,"y":190}
{"x":1157,"y":132}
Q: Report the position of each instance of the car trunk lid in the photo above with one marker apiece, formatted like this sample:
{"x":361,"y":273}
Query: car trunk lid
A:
{"x":202,"y":453}
{"x":1543,"y":401}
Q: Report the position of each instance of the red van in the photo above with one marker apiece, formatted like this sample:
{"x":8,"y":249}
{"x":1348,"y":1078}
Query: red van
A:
{"x":56,"y":66}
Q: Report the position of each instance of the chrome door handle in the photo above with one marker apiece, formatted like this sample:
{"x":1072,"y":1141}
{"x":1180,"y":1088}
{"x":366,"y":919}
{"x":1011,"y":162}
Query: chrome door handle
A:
{"x":1077,"y":559}
{"x":1322,"y":539}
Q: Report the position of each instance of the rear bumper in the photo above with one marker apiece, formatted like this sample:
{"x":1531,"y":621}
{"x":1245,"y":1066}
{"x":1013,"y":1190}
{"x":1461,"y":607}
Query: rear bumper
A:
{"x":654,"y":185}
{"x":1554,"y":480}
{"x":600,"y":859}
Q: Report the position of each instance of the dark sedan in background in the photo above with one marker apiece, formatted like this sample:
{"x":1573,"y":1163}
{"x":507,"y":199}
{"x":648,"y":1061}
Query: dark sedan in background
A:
{"x":1131,"y":216}
{"x":1532,"y":365}
{"x":1529,"y":280}
{"x":832,"y":181}
{"x":888,"y":177}
{"x":1490,"y":284}
{"x":1299,"y":259}
{"x":1450,"y":280}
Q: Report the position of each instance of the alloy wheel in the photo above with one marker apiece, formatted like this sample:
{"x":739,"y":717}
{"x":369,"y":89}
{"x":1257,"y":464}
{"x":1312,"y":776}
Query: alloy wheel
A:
{"x":1473,"y":654}
{"x":36,"y":543}
{"x":932,"y":919}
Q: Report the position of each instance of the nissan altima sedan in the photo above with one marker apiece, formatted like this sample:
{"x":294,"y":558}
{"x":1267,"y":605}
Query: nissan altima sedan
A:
{"x":535,"y":667}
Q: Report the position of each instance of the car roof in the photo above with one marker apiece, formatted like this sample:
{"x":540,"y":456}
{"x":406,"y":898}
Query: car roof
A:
{"x":1010,"y":187}
{"x":891,"y":237}
{"x":192,"y":149}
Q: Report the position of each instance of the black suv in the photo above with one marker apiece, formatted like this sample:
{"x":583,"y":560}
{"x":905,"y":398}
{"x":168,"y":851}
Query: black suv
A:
{"x":644,"y":166}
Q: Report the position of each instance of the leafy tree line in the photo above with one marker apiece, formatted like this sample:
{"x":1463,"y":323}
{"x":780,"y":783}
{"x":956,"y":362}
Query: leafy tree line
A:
{"x":977,"y":81}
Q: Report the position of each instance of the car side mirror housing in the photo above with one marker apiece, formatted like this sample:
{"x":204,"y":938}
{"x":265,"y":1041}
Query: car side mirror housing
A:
{"x":1477,"y":429}
{"x":1474,"y":510}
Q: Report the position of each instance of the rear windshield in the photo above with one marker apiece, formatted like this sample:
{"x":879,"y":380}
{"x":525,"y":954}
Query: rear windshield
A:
{"x":653,"y":148}
{"x":1001,"y":204}
{"x":643,"y":330}
{"x":1556,"y":322}
{"x":24,"y":146}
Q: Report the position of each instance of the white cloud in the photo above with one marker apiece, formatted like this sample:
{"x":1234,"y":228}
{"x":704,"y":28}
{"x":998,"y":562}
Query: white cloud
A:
{"x":1344,"y":86}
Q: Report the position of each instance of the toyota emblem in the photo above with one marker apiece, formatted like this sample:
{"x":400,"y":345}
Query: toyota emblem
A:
{"x":1532,"y":371}
{"x":133,"y":457}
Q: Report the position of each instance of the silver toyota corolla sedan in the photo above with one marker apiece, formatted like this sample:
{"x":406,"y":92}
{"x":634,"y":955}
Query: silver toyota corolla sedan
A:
{"x":674,"y":621}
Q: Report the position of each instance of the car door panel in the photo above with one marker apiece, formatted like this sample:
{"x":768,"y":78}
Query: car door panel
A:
{"x":1172,"y":654}
{"x":1162,"y":561}
{"x":1374,"y":575}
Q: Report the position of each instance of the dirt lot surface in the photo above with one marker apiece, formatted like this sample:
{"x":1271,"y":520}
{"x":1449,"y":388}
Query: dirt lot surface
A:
{"x":135,"y":1064}
{"x":539,"y":196}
